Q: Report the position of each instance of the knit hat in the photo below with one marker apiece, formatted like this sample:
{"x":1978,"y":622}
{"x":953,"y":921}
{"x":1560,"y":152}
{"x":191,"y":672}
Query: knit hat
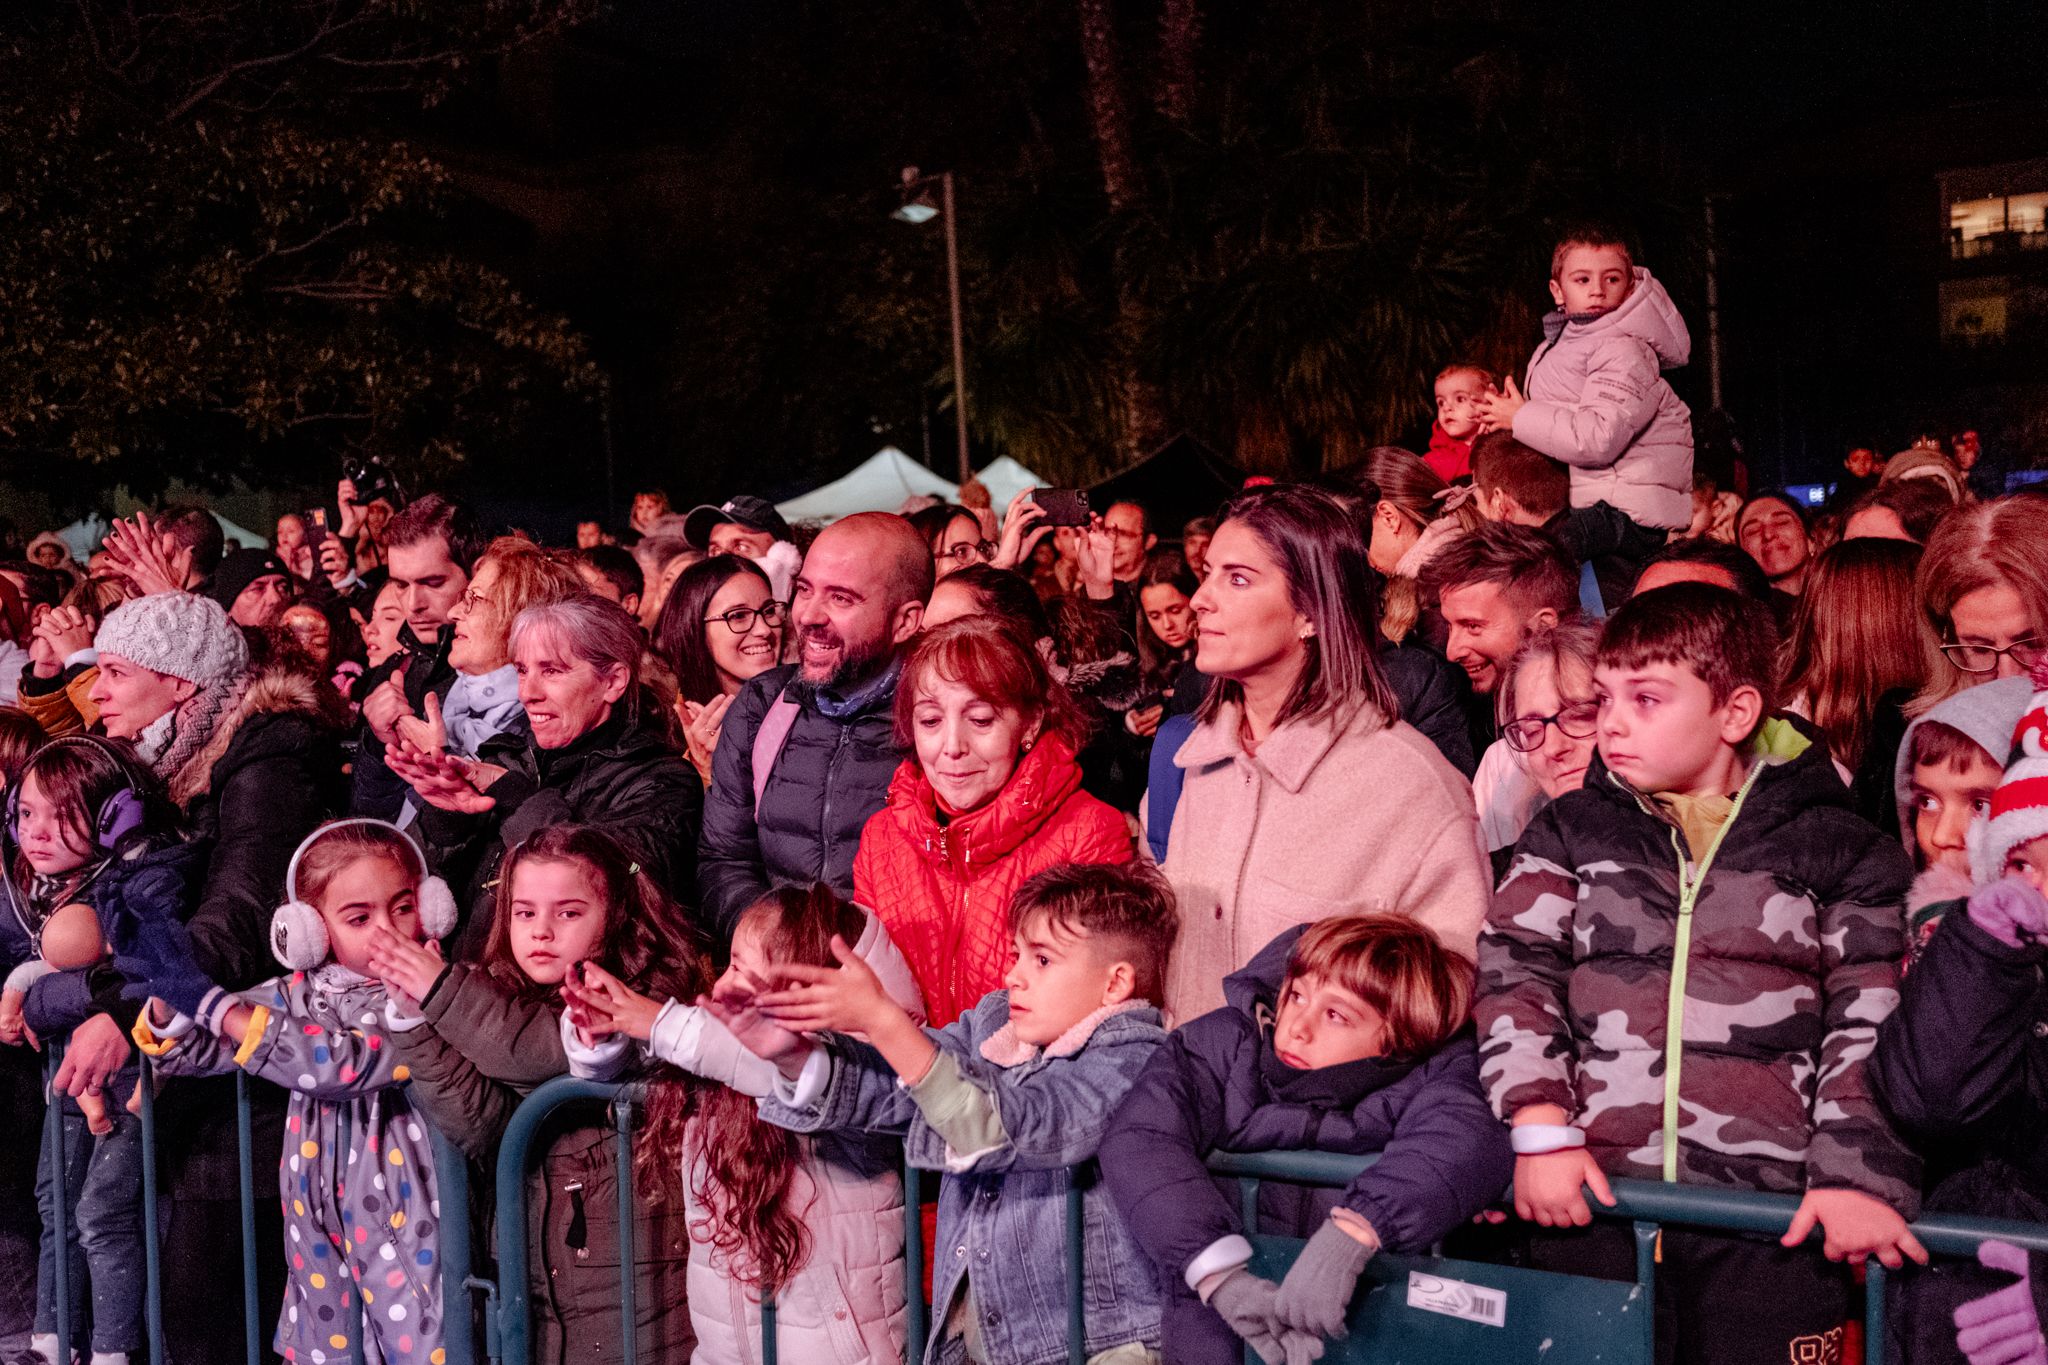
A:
{"x":1985,"y":714}
{"x":2019,"y":808}
{"x":178,"y":635}
{"x":238,"y":570}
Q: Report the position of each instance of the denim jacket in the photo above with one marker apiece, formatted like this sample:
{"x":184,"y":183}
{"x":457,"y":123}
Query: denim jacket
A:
{"x":1002,"y":1210}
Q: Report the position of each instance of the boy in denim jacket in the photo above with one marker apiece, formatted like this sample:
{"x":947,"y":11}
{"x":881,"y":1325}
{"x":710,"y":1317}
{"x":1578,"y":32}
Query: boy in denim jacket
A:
{"x":1002,"y":1101}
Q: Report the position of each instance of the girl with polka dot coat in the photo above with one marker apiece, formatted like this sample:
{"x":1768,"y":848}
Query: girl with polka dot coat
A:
{"x":357,"y":1179}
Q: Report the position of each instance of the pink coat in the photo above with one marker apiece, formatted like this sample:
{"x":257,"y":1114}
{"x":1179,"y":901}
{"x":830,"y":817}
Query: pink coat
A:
{"x":1598,"y":401}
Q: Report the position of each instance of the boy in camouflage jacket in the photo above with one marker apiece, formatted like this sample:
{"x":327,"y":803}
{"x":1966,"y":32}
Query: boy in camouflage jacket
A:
{"x":1682,"y":977}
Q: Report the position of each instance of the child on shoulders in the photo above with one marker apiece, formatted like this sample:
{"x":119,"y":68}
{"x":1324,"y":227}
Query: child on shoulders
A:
{"x":1682,"y":979}
{"x":1349,"y":1035}
{"x":1002,"y":1100}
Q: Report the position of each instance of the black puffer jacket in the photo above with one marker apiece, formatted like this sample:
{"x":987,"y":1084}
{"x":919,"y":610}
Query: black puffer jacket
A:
{"x":622,"y":777}
{"x":374,"y":789}
{"x":829,"y":778}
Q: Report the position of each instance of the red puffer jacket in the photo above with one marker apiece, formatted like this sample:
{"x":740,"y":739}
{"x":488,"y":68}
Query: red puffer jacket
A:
{"x":944,"y":892}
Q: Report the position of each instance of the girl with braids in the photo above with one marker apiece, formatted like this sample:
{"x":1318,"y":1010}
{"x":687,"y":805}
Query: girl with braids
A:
{"x":482,"y":1035}
{"x":815,"y":1220}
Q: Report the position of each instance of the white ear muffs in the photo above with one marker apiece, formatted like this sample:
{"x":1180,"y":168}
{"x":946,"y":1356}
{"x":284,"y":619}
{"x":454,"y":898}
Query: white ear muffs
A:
{"x":298,"y":936}
{"x":438,"y":911}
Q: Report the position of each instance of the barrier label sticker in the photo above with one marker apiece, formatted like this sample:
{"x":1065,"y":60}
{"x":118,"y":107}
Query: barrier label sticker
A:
{"x":1457,"y":1299}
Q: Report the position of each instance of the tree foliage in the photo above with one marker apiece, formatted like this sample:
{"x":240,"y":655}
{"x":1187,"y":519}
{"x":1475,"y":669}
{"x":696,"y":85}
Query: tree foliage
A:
{"x":218,"y":261}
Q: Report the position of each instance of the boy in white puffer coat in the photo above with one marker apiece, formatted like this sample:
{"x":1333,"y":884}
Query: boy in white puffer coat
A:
{"x":1595,"y":394}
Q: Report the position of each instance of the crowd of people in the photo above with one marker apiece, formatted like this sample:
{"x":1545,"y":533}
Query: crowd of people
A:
{"x":1524,"y":812}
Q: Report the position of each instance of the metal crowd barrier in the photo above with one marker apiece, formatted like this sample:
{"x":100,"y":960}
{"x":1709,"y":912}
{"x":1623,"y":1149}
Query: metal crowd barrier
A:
{"x":508,"y":1338}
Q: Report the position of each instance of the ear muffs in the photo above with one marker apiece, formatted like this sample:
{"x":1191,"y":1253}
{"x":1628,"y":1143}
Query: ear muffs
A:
{"x":438,"y":911}
{"x":119,"y":816}
{"x":298,"y":936}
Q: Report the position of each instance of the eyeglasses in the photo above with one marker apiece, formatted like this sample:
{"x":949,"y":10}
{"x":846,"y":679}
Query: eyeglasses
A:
{"x":740,"y":620}
{"x":1984,"y":658}
{"x":969,"y":552}
{"x":1579,"y":721}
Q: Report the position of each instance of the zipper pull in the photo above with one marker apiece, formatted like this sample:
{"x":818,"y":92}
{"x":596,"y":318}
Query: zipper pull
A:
{"x":579,"y":1225}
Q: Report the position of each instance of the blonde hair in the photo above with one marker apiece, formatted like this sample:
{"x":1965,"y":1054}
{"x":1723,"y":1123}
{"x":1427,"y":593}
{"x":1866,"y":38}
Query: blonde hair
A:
{"x":2001,"y":542}
{"x":1421,"y":989}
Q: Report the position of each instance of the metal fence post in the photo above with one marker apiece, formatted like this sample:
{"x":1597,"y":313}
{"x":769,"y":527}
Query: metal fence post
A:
{"x":1646,"y":1237}
{"x":245,"y":1152}
{"x":771,"y":1349}
{"x":1875,"y":1278}
{"x":152,"y":1254}
{"x":629,"y":1314}
{"x":913,"y":1265}
{"x":451,"y":1189}
{"x":60,"y":1198}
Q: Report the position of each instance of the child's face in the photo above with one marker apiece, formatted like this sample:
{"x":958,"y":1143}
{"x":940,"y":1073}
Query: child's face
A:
{"x":1323,"y":1024}
{"x":49,"y":841}
{"x":558,"y":913}
{"x":373,"y":892}
{"x":1660,"y":730}
{"x":1595,"y":279}
{"x":1457,"y":403}
{"x":1946,"y":797}
{"x":749,"y":962}
{"x":1059,"y":979}
{"x":2030,"y":862}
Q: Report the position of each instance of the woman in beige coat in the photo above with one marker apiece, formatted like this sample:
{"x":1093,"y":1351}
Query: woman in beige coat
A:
{"x":1303,"y":793}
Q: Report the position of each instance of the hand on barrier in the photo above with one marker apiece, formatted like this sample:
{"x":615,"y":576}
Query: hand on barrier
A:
{"x":1856,"y":1227}
{"x":1550,"y":1189}
{"x":1245,"y":1302}
{"x":155,"y":953}
{"x":2012,"y":912}
{"x":2004,"y":1326}
{"x":1316,"y":1294}
{"x":96,"y":1050}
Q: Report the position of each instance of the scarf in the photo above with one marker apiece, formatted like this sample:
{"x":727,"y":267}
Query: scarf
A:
{"x":480,"y":706}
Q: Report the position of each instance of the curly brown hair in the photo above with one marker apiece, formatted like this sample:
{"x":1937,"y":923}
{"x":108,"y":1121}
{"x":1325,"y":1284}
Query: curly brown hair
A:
{"x":744,"y":1172}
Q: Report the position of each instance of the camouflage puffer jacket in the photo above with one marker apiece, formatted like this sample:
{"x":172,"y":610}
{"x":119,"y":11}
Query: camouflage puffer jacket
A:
{"x":1793,"y":932}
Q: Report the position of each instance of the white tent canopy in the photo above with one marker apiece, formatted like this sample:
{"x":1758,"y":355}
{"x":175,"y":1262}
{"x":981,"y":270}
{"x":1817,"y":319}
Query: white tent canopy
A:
{"x":881,"y":483}
{"x":1005,"y":479}
{"x":83,"y":537}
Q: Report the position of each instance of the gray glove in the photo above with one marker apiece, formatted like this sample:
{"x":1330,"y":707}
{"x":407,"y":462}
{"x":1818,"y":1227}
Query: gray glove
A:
{"x":1300,"y":1347}
{"x":1317,"y":1291}
{"x":1246,"y":1304}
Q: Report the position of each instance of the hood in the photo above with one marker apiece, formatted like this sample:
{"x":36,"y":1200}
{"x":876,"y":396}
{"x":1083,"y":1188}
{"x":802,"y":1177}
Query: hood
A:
{"x":1936,"y":885}
{"x":1043,"y":782}
{"x":1988,"y":713}
{"x":1797,"y":773}
{"x":1647,"y":314}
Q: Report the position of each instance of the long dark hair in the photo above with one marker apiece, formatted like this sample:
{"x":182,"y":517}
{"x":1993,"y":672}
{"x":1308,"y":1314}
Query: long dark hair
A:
{"x":1168,"y":568}
{"x":646,"y":944}
{"x":1315,"y":540}
{"x":680,"y":632}
{"x":77,"y":774}
{"x":745,"y":1166}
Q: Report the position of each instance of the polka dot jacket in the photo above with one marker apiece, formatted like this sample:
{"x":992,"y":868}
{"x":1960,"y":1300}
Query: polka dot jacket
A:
{"x":357,"y":1179}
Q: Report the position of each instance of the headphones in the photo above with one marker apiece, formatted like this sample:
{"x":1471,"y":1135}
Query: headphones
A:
{"x":119,"y":816}
{"x":298,"y":936}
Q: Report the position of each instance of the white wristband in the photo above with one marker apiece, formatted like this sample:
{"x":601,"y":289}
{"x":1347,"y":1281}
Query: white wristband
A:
{"x":1541,"y":1139}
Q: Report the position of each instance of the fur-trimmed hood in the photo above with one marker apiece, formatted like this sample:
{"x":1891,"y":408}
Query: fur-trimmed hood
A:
{"x":268,"y":691}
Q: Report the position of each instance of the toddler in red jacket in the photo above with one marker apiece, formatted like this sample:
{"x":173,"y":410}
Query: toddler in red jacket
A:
{"x":1460,"y":387}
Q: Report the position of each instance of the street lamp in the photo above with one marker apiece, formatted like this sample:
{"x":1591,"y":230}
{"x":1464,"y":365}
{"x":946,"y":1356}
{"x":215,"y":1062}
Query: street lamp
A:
{"x":917,"y":207}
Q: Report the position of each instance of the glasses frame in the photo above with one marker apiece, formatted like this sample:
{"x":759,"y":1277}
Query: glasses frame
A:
{"x":774,"y":613}
{"x":1543,"y":724}
{"x":984,"y":551}
{"x":2035,"y":652}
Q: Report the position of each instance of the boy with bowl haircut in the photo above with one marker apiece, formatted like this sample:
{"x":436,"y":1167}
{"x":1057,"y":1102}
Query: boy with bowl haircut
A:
{"x":1002,"y":1101}
{"x":1682,"y":979}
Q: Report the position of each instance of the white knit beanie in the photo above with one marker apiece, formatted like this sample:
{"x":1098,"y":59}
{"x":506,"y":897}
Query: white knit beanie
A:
{"x":2019,"y":808}
{"x":176,"y":634}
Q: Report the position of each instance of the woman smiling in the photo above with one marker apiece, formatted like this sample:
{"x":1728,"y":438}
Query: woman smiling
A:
{"x":992,"y":796}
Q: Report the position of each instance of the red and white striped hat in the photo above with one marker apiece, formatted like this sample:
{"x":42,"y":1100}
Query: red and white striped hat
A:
{"x":2019,"y":808}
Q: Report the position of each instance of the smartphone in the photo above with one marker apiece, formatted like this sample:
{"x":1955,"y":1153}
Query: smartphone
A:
{"x":1064,"y":506}
{"x":316,"y":527}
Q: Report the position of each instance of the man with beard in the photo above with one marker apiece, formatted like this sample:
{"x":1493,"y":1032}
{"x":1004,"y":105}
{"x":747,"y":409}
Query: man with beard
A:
{"x":807,"y":750}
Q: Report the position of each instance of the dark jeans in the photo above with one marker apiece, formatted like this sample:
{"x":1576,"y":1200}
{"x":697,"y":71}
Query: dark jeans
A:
{"x":1722,"y":1299}
{"x":103,"y":1185}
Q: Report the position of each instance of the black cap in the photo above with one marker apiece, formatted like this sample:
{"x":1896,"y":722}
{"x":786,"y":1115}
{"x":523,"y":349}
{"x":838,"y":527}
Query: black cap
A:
{"x":756,"y":514}
{"x":241,"y":568}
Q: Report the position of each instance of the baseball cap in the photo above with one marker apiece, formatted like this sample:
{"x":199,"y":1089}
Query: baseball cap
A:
{"x":756,"y":514}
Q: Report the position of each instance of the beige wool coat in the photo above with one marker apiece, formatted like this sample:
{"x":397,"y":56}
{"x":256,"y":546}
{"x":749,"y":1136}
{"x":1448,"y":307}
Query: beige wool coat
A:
{"x":1333,"y":816}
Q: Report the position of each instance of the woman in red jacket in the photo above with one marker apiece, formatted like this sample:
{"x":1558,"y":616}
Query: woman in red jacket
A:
{"x":992,"y":796}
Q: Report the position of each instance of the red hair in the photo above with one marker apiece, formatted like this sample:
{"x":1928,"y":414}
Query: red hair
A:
{"x":989,"y":660}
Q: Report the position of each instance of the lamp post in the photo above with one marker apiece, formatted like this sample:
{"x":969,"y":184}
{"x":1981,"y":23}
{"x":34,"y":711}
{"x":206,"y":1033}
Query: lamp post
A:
{"x":917,"y":207}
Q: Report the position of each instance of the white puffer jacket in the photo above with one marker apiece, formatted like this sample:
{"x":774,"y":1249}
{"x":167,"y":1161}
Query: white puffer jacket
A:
{"x":1598,"y":401}
{"x":846,"y":1305}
